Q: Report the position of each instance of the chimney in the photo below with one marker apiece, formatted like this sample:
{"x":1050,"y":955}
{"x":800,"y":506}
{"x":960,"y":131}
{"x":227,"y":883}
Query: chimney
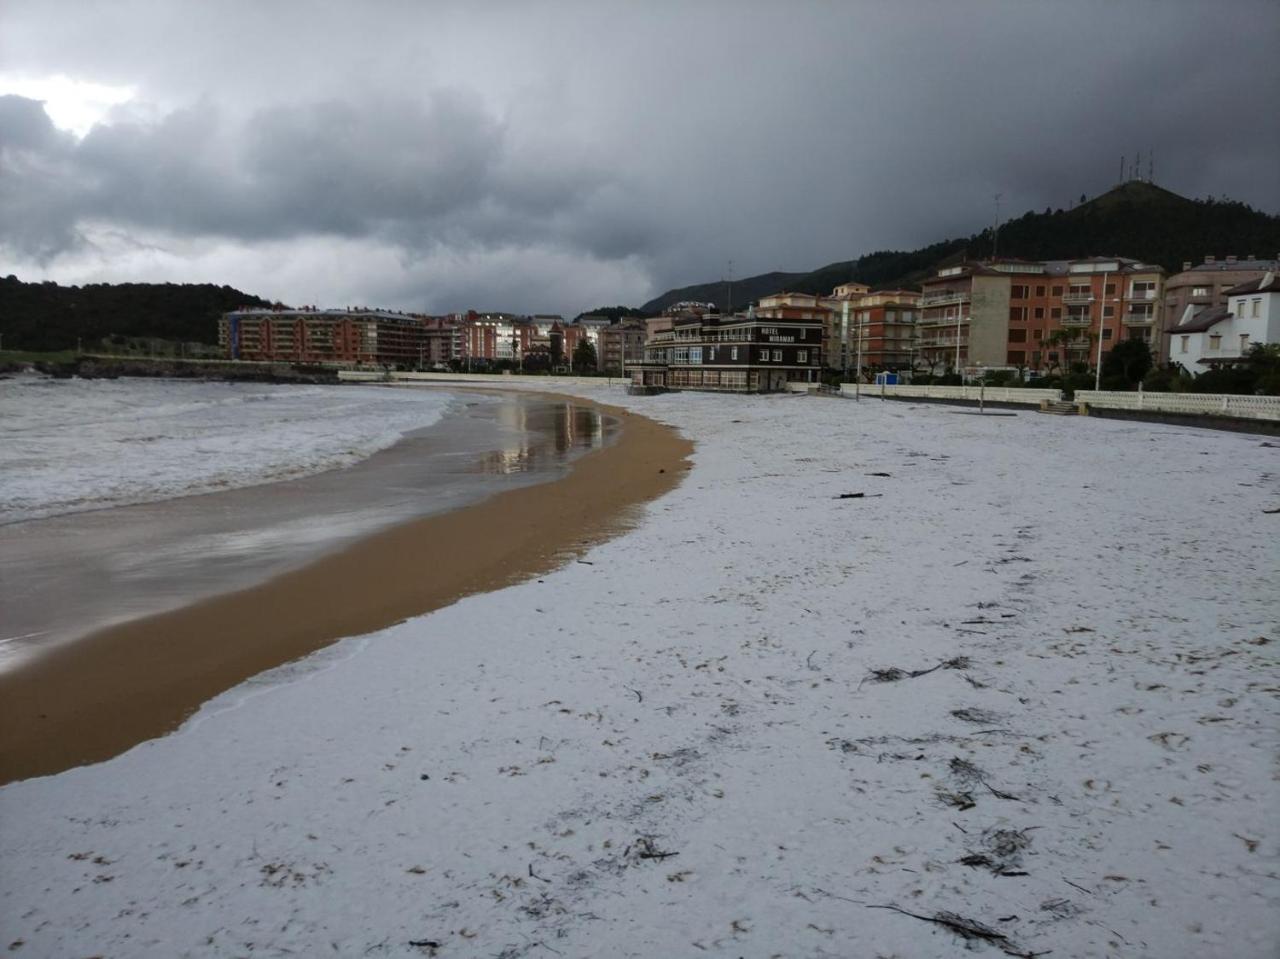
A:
{"x":1186,"y":265}
{"x":1231,"y":260}
{"x":1210,"y":259}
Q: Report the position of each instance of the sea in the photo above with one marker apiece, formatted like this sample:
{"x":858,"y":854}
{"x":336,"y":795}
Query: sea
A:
{"x":123,"y":498}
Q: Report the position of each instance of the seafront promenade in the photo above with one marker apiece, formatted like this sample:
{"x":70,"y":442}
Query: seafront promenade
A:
{"x":979,"y":668}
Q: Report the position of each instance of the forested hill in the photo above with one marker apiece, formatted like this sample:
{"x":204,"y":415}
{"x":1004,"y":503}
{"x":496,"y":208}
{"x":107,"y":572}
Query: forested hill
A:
{"x":46,"y":316}
{"x":1135,"y":219}
{"x":746,"y":290}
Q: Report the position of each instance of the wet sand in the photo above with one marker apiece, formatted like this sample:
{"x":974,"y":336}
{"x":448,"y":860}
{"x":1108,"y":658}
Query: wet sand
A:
{"x":97,"y":697}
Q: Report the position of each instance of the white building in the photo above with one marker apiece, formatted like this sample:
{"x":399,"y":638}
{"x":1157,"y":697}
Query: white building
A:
{"x":1216,"y":335}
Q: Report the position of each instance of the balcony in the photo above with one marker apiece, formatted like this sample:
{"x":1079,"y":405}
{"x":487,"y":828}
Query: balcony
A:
{"x":941,"y":322}
{"x":1077,"y":298}
{"x":1138,"y":319}
{"x":1076,"y":322}
{"x":944,"y":299}
{"x":1142,"y":294}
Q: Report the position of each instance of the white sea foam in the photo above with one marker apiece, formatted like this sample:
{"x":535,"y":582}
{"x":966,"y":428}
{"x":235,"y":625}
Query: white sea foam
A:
{"x":73,"y":445}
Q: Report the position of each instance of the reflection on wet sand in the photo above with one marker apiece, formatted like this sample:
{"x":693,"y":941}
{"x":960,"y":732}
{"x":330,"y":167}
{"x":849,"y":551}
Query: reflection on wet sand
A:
{"x":570,"y":428}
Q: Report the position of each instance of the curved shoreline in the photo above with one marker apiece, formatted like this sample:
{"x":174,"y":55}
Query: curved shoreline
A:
{"x":129,"y":683}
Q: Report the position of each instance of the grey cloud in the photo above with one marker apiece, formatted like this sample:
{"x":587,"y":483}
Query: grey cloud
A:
{"x":665,"y":137}
{"x":424,"y":174}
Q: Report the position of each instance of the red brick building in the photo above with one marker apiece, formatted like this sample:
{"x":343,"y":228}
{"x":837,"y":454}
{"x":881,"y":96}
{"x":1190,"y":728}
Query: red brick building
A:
{"x":337,"y":337}
{"x":1038,"y":315}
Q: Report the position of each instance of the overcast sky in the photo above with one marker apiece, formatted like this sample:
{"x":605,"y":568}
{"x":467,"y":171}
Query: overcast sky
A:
{"x":553,"y":157}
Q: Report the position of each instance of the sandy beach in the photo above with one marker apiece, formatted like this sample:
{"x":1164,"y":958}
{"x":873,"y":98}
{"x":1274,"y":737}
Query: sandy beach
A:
{"x":96,"y":697}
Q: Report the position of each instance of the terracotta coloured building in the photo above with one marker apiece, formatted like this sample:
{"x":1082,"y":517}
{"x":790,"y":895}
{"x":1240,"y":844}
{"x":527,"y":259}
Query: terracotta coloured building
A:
{"x":1038,"y":315}
{"x":338,"y":337}
{"x":876,"y":329}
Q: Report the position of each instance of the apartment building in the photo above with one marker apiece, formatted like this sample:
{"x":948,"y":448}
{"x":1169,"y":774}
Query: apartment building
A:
{"x":737,"y":353}
{"x":311,"y":335}
{"x":876,"y":331}
{"x":620,"y":346}
{"x":1224,"y":335}
{"x":1204,"y":285}
{"x":1038,"y":315}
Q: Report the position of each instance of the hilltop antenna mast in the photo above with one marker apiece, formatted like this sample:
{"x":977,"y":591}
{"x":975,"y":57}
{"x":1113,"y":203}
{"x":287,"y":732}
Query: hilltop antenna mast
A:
{"x":728,"y":310}
{"x":995,"y":230}
{"x":1151,"y":165}
{"x":1122,"y":158}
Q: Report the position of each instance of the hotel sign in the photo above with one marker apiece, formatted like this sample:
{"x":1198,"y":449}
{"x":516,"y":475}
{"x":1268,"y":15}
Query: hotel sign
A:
{"x":771,"y":335}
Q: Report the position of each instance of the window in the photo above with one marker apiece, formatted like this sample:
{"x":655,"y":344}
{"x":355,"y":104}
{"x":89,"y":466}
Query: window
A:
{"x":1106,"y":334}
{"x":711,"y":354}
{"x":1215,"y":341}
{"x":802,"y":356}
{"x":1017,"y":313}
{"x":1056,"y":313}
{"x":1016,"y":357}
{"x":1039,"y":291}
{"x":777,"y":356}
{"x":1039,"y":314}
{"x":733,"y":353}
{"x":1053,"y":357}
{"x":1143,"y":291}
{"x":1017,"y":336}
{"x":1108,"y":311}
{"x":1057,"y":291}
{"x":1109,"y":289}
{"x":1257,"y":305}
{"x":1183,"y":346}
{"x":764,"y":356}
{"x":1244,"y":343}
{"x":1199,"y":291}
{"x":1017,"y":292}
{"x":1037,"y":334}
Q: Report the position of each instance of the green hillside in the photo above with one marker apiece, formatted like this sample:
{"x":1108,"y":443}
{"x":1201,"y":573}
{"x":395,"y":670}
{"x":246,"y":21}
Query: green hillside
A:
{"x":746,"y":290}
{"x":1136,"y":219}
{"x":46,"y":316}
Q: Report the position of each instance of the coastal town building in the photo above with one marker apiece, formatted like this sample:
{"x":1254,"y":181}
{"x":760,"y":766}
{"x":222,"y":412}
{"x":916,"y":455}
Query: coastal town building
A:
{"x":1224,"y":335}
{"x":801,"y":306}
{"x":322,"y":336}
{"x":736,"y":353}
{"x":1205,"y":284}
{"x":620,"y":346}
{"x":1037,"y":315}
{"x":872,"y":330}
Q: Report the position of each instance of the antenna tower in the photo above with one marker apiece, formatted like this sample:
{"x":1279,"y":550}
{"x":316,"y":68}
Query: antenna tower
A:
{"x":995,"y":230}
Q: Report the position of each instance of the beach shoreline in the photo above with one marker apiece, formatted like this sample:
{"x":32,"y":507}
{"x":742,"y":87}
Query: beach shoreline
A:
{"x":106,"y":692}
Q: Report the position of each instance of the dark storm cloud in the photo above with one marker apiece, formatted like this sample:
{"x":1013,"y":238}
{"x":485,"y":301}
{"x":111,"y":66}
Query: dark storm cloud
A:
{"x":429,"y":173}
{"x":639,"y":144}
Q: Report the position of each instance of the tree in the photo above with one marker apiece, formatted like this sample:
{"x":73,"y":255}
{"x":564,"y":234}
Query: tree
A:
{"x":584,"y":356}
{"x":1125,"y":366}
{"x":1264,"y":363}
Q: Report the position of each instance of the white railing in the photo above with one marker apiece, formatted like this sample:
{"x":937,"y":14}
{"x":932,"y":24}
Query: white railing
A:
{"x":991,"y":394}
{"x":1210,"y":404}
{"x":463,"y":379}
{"x":1077,"y":299}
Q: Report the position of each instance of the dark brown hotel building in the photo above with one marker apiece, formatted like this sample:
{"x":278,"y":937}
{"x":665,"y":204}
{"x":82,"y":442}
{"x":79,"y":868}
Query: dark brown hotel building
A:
{"x":742,"y":354}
